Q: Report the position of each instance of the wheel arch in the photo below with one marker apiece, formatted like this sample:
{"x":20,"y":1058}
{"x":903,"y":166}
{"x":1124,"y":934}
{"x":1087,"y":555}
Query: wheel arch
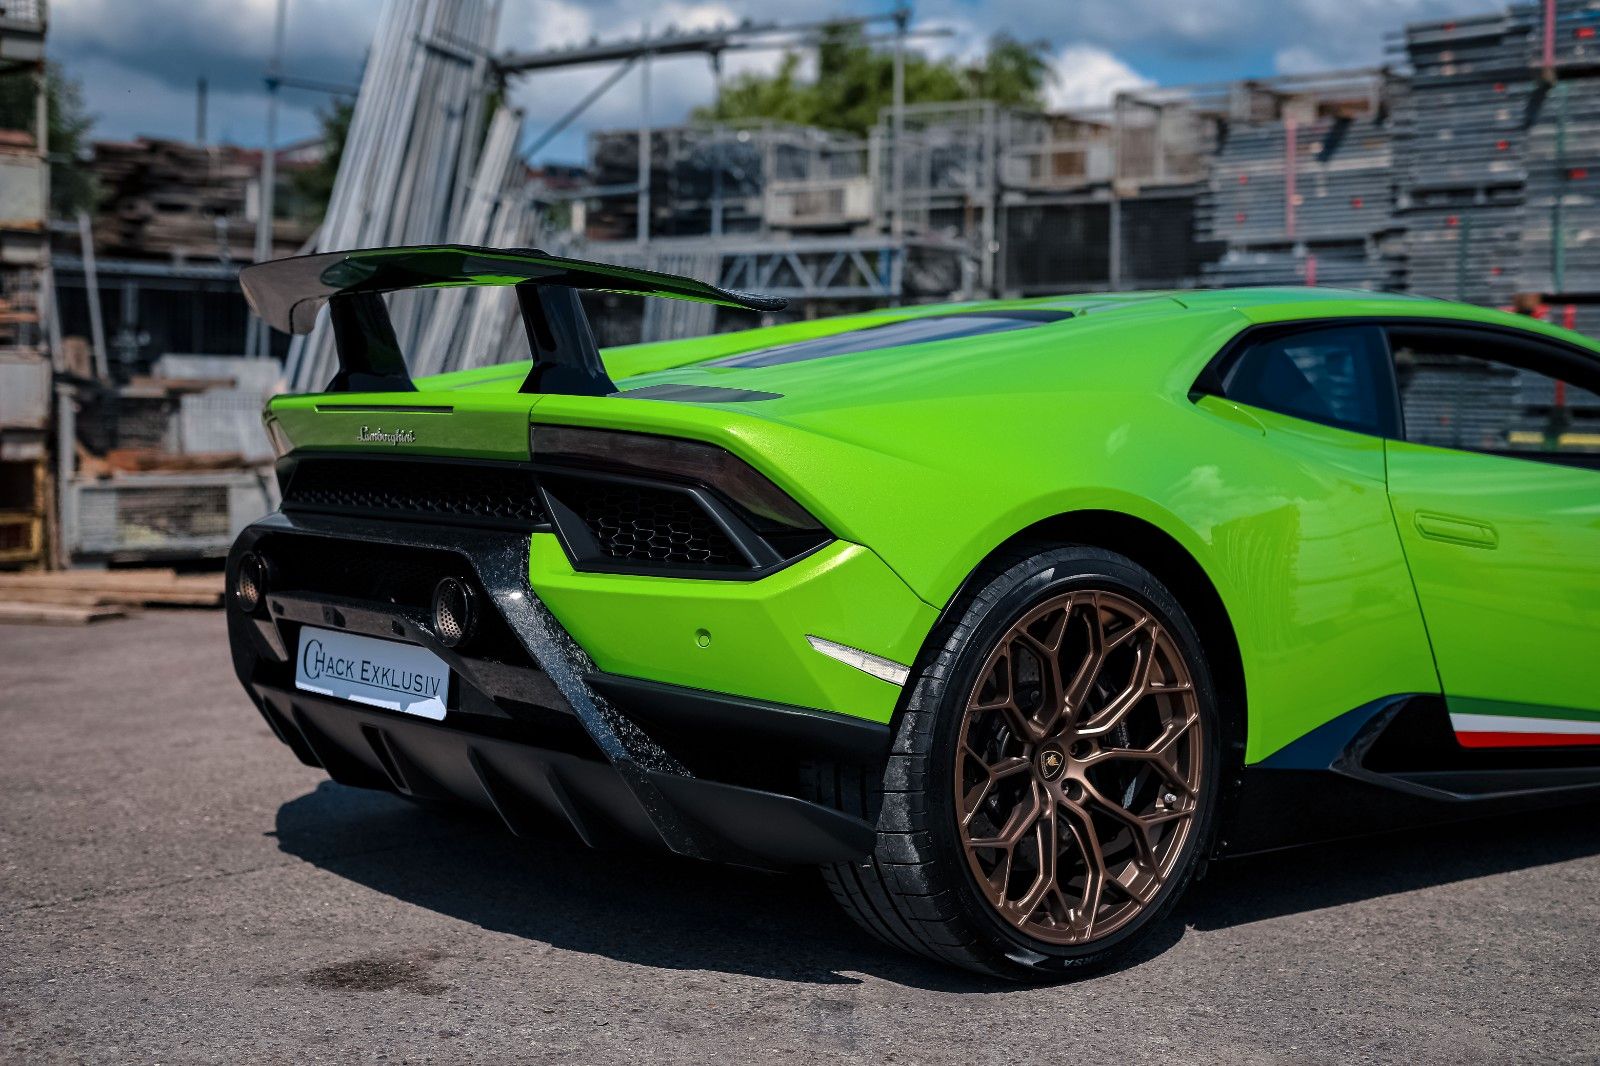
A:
{"x":1175,"y":567}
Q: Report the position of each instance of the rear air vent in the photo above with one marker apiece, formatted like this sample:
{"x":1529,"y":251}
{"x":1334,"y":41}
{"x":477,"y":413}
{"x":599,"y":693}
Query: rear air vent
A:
{"x":639,"y":503}
{"x":452,"y":491}
{"x":653,"y":525}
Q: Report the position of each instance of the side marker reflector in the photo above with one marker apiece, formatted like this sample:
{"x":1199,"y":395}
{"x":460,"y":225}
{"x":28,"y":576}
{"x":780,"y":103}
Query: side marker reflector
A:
{"x":868,"y":663}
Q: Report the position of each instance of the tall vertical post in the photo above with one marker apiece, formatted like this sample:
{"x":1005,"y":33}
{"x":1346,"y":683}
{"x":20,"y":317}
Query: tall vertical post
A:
{"x":643,"y":201}
{"x":1289,"y":138}
{"x":1114,"y":253}
{"x":1549,"y":50}
{"x":91,"y":284}
{"x":200,"y":90}
{"x":1558,"y":239}
{"x":898,"y":179}
{"x":717,"y":158}
{"x":41,"y":139}
{"x":66,"y":466}
{"x":991,"y":196}
{"x":256,"y":343}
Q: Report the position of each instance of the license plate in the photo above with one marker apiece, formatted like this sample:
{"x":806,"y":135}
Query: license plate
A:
{"x":379,"y":673}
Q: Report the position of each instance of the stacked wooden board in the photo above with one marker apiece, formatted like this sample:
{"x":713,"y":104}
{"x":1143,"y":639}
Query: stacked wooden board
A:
{"x":79,"y":597}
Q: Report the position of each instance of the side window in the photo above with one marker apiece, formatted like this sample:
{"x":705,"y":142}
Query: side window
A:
{"x":1335,"y":375}
{"x":1490,"y":394}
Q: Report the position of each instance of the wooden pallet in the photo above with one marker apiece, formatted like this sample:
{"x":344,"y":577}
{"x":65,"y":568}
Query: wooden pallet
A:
{"x":77,"y":597}
{"x":49,"y":614}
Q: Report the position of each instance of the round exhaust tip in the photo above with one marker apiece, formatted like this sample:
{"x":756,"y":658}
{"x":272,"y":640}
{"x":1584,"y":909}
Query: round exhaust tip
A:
{"x":250,"y":582}
{"x":455,"y":612}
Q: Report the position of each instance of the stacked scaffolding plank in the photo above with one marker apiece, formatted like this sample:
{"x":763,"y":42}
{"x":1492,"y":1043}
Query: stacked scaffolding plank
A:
{"x":1303,"y":202}
{"x":1561,"y":253}
{"x":1461,"y":156}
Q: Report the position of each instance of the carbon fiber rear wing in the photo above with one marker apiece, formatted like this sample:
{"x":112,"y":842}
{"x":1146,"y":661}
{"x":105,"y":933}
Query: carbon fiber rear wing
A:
{"x":288,"y":293}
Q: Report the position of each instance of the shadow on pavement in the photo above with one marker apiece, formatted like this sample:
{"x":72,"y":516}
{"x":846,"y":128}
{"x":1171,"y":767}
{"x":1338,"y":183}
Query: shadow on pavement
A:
{"x":677,"y":914}
{"x":1348,"y":871}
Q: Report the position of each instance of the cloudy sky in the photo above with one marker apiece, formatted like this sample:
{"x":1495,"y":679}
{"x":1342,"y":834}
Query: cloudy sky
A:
{"x":138,"y":62}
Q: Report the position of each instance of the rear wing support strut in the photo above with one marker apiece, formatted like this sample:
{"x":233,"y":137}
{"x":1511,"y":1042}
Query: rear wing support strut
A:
{"x":287,"y":294}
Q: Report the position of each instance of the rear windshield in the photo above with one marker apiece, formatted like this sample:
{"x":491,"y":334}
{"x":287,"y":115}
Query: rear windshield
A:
{"x":894,"y":334}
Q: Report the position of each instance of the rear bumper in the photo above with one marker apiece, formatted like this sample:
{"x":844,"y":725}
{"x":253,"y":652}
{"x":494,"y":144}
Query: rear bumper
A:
{"x":535,"y":731}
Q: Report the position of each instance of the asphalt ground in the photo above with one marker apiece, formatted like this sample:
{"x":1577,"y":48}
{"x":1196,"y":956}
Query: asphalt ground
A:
{"x":175,"y":887}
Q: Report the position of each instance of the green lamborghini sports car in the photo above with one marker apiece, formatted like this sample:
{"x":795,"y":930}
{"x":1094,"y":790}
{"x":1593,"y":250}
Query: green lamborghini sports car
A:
{"x":1010,"y":616}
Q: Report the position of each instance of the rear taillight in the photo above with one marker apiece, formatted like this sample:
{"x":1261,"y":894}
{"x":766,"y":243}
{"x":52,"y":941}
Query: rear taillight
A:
{"x":637,"y":501}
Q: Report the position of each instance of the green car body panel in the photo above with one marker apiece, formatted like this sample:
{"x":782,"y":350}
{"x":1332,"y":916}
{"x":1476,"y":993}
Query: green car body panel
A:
{"x":924,"y":459}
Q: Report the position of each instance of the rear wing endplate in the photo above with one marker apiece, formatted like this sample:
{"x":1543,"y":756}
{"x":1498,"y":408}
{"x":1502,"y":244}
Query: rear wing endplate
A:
{"x":288,"y":293}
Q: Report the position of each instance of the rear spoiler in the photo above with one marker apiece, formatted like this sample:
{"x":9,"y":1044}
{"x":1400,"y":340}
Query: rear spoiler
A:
{"x":288,"y":293}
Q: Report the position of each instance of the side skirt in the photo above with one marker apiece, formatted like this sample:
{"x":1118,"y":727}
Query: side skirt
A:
{"x":1391,"y":764}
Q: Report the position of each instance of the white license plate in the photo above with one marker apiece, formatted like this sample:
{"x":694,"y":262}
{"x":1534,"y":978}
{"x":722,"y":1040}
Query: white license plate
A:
{"x":379,"y":673}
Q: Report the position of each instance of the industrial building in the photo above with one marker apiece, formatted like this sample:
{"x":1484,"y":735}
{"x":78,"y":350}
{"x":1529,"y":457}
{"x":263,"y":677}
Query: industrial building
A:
{"x":1463,"y":164}
{"x":1460,"y":169}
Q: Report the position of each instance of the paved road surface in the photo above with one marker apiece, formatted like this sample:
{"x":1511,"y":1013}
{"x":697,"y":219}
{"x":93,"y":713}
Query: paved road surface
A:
{"x":174,"y":887}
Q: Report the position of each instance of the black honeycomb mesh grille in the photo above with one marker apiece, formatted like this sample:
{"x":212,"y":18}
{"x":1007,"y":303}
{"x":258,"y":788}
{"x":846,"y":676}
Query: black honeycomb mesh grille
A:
{"x":477,"y":493}
{"x":635,"y":523}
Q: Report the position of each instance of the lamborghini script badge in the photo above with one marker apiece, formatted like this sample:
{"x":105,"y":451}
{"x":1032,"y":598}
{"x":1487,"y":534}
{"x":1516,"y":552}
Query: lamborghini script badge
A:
{"x":379,"y":435}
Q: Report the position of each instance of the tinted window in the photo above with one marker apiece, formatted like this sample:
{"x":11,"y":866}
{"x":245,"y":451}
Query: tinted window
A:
{"x":892,"y":335}
{"x":1457,"y":392}
{"x":1337,"y":376}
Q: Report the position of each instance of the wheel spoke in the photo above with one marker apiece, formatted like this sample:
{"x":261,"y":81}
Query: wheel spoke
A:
{"x":1161,"y":755}
{"x":1017,"y":823}
{"x":1136,"y":824}
{"x":1001,"y":675}
{"x":974,"y":797}
{"x":1047,"y":650}
{"x":1088,"y":672}
{"x":1045,"y":839}
{"x":1087,"y":838}
{"x":1138,"y":687}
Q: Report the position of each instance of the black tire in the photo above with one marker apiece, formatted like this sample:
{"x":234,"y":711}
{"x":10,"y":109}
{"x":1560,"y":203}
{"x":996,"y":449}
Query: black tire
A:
{"x":917,"y":890}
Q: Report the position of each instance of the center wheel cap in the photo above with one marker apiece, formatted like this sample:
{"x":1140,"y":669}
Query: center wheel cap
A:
{"x":1052,"y":761}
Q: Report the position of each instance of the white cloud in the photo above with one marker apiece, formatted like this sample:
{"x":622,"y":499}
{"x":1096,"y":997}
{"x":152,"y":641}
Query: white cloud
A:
{"x":1088,"y":76}
{"x":139,"y":58}
{"x":677,"y":83}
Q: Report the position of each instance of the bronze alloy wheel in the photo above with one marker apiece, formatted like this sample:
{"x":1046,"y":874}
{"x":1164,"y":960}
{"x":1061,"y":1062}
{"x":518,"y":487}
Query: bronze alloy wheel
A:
{"x":1078,"y":767}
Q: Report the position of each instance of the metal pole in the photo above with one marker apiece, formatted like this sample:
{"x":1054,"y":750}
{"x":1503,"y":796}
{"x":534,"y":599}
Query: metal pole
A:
{"x":1289,"y":131}
{"x":1549,"y":49}
{"x":1558,"y":240}
{"x":91,"y":281}
{"x":200,"y":112}
{"x":41,"y":120}
{"x":554,"y":129}
{"x":1114,"y":253}
{"x":716,"y":146}
{"x":991,"y":198}
{"x":643,"y":195}
{"x":898,"y":179}
{"x":66,"y":464}
{"x":256,"y":342}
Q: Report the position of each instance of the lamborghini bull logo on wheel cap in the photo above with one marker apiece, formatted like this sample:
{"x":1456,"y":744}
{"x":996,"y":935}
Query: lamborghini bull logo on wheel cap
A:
{"x":1051,"y":763}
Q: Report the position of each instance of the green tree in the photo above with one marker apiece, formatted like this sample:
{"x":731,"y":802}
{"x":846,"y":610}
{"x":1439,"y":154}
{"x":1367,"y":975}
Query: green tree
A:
{"x":72,"y":185}
{"x":855,"y":81}
{"x":312,"y":186}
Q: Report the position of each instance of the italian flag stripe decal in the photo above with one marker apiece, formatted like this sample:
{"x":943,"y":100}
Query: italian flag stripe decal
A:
{"x":1522,"y":731}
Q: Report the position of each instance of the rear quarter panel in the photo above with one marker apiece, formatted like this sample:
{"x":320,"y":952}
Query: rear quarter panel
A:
{"x":933,"y":470}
